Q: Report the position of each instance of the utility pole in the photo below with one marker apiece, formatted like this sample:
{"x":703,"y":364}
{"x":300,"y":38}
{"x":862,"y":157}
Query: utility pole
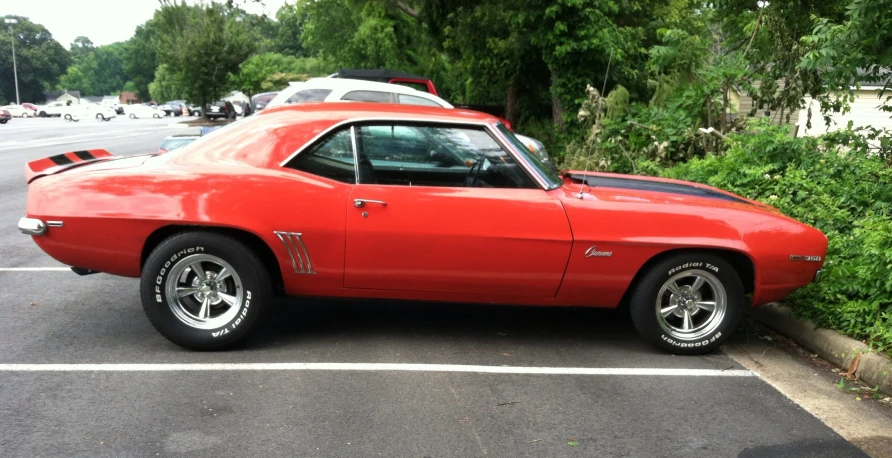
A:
{"x":15,"y":70}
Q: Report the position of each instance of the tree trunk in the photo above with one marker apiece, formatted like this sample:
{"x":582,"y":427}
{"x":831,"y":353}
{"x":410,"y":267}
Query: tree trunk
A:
{"x":557,"y":112}
{"x":726,"y":87}
{"x":511,"y":104}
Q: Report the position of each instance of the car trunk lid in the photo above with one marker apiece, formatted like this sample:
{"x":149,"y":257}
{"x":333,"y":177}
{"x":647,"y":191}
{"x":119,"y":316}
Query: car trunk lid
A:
{"x":67,"y":161}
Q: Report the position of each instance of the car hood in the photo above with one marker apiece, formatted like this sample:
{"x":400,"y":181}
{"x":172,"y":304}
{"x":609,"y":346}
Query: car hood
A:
{"x":641,"y":189}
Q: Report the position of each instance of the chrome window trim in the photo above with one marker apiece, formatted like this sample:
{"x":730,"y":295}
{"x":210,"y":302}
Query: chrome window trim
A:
{"x":355,"y":154}
{"x":488,"y":127}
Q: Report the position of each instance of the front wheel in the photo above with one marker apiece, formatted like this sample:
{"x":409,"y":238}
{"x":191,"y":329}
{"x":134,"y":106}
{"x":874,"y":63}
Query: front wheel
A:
{"x":204,"y":291}
{"x":689,"y":303}
{"x":156,"y":116}
{"x":68,"y":117}
{"x":132,"y":116}
{"x":99,"y":117}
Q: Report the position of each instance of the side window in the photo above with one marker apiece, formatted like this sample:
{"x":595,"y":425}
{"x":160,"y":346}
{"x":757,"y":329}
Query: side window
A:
{"x":435,"y":155}
{"x":331,"y":158}
{"x":309,"y":95}
{"x":369,"y":96}
{"x":415,"y":100}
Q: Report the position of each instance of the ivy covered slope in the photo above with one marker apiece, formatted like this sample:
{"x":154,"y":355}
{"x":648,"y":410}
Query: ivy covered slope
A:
{"x":837,"y":183}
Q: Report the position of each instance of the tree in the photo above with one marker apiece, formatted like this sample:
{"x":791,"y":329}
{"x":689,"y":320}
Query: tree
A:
{"x":852,"y":49}
{"x":264,"y":72}
{"x":288,"y":31}
{"x":40,"y":60}
{"x":140,"y":59}
{"x":165,"y":86}
{"x":80,"y":48}
{"x":202,"y":46}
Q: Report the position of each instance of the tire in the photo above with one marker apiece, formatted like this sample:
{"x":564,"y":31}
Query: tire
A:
{"x":156,"y":116}
{"x":132,"y":116}
{"x":3,"y":121}
{"x":705,"y":330}
{"x":169,"y":269}
{"x":42,"y":114}
{"x":100,"y":117}
{"x":68,"y":117}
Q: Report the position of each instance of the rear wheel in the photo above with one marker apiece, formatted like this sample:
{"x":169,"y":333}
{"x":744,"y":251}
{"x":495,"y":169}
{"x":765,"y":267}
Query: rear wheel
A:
{"x":42,"y":114}
{"x":156,"y":116}
{"x":100,"y":117}
{"x":689,"y":303}
{"x":132,"y":116}
{"x":68,"y":117}
{"x":204,"y":291}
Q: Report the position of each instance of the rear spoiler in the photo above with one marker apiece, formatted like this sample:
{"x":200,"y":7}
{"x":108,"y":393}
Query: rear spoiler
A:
{"x":60,"y":162}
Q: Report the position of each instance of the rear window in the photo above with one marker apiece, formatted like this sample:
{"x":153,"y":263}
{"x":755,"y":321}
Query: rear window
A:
{"x":369,"y":96}
{"x":309,"y":95}
{"x":415,"y":100}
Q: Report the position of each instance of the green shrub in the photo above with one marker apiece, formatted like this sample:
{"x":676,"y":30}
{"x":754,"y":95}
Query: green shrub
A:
{"x":837,"y":183}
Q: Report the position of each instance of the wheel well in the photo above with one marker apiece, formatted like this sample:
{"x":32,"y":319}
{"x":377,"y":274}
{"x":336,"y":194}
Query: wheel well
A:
{"x":251,"y":240}
{"x":742,"y":264}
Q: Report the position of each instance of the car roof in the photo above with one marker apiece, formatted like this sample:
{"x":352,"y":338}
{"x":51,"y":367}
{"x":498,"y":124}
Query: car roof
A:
{"x":298,"y":124}
{"x":341,"y":86}
{"x":379,"y":74}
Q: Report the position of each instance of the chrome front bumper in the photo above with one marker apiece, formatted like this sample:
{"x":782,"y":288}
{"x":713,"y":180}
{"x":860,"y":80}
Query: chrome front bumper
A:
{"x":32,"y":226}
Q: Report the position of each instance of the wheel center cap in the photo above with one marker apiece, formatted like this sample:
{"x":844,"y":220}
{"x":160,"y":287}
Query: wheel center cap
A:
{"x":205,"y":289}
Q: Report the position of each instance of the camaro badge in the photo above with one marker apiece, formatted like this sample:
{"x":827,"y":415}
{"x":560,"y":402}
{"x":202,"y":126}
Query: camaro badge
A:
{"x":593,"y":251}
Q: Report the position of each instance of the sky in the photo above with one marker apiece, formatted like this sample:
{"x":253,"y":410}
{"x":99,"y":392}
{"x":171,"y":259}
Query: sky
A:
{"x":102,"y":21}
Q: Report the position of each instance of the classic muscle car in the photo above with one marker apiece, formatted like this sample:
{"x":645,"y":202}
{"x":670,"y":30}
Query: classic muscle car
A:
{"x":407,"y":202}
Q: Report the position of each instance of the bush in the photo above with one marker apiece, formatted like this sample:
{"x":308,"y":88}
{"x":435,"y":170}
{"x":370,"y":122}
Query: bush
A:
{"x":842,"y":186}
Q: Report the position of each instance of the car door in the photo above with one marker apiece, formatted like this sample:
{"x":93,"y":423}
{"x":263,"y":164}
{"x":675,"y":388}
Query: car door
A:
{"x":445,"y":208}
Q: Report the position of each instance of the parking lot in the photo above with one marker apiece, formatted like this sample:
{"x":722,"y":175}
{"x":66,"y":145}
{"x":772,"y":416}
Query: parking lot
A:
{"x":83,"y":373}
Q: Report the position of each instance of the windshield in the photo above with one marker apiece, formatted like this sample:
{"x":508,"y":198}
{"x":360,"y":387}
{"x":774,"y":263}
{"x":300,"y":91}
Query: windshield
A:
{"x":544,"y":171}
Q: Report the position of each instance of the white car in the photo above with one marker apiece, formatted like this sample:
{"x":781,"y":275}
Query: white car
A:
{"x":143,"y":111}
{"x":349,"y":90}
{"x":19,"y":111}
{"x":59,"y":108}
{"x":89,"y":110}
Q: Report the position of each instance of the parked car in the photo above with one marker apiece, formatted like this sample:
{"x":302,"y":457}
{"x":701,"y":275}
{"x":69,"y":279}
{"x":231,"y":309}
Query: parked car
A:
{"x":55,"y":109}
{"x":350,"y":90}
{"x":408,"y":202}
{"x":143,"y":111}
{"x":221,"y":109}
{"x":90,"y":110}
{"x":5,"y":116}
{"x":19,"y":111}
{"x":173,"y":108}
{"x":259,"y":101}
{"x":536,"y":147}
{"x":176,"y":141}
{"x":421,"y":83}
{"x":194,"y":110}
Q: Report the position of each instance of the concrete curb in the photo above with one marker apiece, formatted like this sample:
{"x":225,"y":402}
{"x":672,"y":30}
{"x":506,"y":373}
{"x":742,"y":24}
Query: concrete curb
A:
{"x":874,"y":369}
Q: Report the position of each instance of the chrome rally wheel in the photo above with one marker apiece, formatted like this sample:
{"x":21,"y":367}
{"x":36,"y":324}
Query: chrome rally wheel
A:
{"x":204,"y":291}
{"x":688,"y":303}
{"x":691,"y":304}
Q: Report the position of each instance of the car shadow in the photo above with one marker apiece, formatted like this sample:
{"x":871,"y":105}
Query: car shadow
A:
{"x":303,"y":322}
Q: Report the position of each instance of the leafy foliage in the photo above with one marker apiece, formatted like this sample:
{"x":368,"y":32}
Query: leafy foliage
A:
{"x":835,"y":184}
{"x":202,"y":46}
{"x":40,"y":60}
{"x":266,"y":72}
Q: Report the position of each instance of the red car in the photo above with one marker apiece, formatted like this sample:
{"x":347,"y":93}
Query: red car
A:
{"x":407,"y":202}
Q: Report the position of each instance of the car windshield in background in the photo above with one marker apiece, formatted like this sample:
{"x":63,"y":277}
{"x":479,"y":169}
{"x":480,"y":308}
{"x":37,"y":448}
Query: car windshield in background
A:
{"x":172,"y":143}
{"x":547,"y":173}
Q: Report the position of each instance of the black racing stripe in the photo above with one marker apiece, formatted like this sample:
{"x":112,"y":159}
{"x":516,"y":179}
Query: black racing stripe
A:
{"x":656,"y":186}
{"x":61,"y":159}
{"x":85,"y":155}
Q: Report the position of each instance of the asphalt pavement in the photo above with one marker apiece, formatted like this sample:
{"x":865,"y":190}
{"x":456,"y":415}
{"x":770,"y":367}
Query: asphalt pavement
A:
{"x":152,"y":398}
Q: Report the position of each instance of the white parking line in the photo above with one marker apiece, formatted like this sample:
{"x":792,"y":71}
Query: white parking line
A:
{"x":35,"y":269}
{"x":376,"y":367}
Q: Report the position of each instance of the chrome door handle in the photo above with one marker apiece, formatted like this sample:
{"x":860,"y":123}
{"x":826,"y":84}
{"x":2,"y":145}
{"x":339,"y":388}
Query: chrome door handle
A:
{"x":359,"y":203}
